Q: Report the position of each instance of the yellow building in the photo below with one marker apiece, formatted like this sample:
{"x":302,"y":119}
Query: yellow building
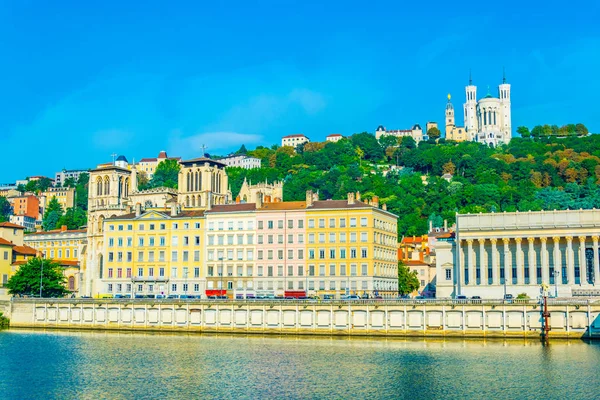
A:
{"x":5,"y":261}
{"x":13,"y":252}
{"x":153,"y":253}
{"x":64,"y":195}
{"x":351,"y":247}
{"x":148,"y":165}
{"x":67,"y":247}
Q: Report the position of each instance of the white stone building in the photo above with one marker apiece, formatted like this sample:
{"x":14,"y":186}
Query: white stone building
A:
{"x":415,"y":132}
{"x":242,"y":161}
{"x":60,"y":177}
{"x":294,"y":140}
{"x":334,"y":137}
{"x":512,"y":253}
{"x":487,"y":120}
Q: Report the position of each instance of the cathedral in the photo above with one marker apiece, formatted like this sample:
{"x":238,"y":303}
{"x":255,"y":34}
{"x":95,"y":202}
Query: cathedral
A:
{"x":486,"y":120}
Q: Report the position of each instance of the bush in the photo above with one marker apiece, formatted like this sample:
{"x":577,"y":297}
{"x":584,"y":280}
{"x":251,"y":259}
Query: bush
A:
{"x":522,"y":296}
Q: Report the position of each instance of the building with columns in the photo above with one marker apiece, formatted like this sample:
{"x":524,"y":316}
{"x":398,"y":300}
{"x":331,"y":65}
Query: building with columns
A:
{"x":512,"y":253}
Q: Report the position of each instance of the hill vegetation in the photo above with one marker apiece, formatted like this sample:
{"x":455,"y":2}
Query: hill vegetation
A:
{"x":543,"y":173}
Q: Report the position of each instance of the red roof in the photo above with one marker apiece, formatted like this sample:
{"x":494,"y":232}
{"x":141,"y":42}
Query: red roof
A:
{"x":25,"y":250}
{"x":10,"y":225}
{"x":57,"y":231}
{"x":5,"y":242}
{"x":417,"y":239}
{"x":334,"y":134}
{"x":294,"y":135}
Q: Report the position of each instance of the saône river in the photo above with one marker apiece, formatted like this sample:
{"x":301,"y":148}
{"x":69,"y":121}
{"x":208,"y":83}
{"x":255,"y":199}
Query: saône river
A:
{"x":108,"y":365}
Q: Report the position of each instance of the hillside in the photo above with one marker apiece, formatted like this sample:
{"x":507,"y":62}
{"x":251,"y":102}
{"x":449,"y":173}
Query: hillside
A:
{"x":543,"y":174}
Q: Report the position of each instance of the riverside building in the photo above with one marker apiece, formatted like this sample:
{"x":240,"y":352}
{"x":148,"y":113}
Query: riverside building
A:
{"x":513,"y":253}
{"x":243,"y":250}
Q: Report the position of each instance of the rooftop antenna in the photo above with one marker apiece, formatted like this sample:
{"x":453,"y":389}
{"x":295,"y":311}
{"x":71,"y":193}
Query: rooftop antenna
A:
{"x":470,"y":78}
{"x":113,"y":155}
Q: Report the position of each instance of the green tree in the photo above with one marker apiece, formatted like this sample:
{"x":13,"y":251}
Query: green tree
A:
{"x":242,"y":150}
{"x":524,"y":132}
{"x":52,"y":214}
{"x":43,"y":184}
{"x":31,"y":186}
{"x":69,"y":182}
{"x":166,"y":174}
{"x":81,"y":191}
{"x":26,"y":281}
{"x":407,"y":280}
{"x":74,"y":218}
{"x":581,"y":130}
{"x":5,"y":209}
{"x":434,"y":133}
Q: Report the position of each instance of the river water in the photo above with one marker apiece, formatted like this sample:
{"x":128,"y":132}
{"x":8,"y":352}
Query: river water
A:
{"x":107,"y":365}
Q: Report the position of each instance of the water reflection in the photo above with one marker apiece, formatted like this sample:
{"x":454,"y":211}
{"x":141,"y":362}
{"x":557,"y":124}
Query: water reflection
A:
{"x":80,"y":364}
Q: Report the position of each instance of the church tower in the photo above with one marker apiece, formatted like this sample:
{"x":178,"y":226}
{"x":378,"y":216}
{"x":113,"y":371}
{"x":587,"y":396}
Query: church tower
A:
{"x":470,"y":108}
{"x":108,"y":196}
{"x":450,"y":123}
{"x":203,"y":183}
{"x":505,"y":117}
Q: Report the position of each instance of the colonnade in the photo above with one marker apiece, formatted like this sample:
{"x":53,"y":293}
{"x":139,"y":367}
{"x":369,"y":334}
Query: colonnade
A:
{"x":529,"y":260}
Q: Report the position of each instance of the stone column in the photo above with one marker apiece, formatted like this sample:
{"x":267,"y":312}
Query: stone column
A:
{"x":483,"y":270}
{"x":495,"y":263}
{"x":596,"y":261}
{"x":532,"y":262}
{"x":557,"y":258}
{"x":582,"y":264}
{"x":507,"y":261}
{"x":570,"y":260}
{"x":520,"y":266}
{"x":471,"y":280}
{"x":544,"y":263}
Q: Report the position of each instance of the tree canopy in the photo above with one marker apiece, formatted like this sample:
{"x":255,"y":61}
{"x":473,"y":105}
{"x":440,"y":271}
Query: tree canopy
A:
{"x":26,"y":281}
{"x":5,"y":209}
{"x":165,"y":175}
{"x":408,"y":281}
{"x":52,"y":214}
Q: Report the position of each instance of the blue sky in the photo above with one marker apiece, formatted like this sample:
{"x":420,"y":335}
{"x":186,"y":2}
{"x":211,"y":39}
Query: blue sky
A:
{"x":79,"y":81}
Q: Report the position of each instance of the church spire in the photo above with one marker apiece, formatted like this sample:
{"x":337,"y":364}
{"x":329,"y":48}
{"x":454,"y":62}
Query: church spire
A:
{"x":470,"y":78}
{"x":503,"y":75}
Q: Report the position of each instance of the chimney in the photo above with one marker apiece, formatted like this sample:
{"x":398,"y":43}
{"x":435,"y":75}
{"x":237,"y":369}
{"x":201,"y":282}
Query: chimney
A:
{"x":316,"y":196}
{"x":63,"y":228}
{"x":238,"y":200}
{"x":209,"y":201}
{"x":309,"y":198}
{"x":384,"y":207}
{"x":376,"y":201}
{"x":259,"y":200}
{"x":128,"y":209}
{"x":173,"y":210}
{"x":138,"y":209}
{"x":350,"y":198}
{"x":445,"y":225}
{"x":267,"y":199}
{"x":357,"y":196}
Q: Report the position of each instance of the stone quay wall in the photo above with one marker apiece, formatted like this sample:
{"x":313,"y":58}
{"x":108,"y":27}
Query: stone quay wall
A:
{"x":568,"y":318}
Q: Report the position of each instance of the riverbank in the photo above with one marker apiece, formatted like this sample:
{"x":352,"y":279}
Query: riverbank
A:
{"x":573,"y":319}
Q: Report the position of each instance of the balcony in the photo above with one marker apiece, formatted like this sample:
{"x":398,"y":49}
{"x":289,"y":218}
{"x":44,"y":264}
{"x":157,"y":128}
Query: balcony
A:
{"x":149,"y":279}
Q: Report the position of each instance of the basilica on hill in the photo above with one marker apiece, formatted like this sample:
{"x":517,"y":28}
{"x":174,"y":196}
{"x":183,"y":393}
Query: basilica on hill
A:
{"x":487,"y":120}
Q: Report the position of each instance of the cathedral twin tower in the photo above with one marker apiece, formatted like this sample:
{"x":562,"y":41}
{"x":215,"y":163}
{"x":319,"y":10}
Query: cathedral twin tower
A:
{"x":486,"y":121}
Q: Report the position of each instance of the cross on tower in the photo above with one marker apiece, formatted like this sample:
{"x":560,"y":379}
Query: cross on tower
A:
{"x":203,"y":147}
{"x":114,"y":156}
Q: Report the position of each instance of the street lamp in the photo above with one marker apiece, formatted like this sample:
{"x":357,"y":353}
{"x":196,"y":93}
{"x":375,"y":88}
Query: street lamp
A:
{"x":555,"y":274}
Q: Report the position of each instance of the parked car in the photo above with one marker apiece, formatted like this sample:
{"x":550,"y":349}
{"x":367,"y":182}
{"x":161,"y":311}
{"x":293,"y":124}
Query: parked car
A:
{"x":328,"y":297}
{"x":351,"y":297}
{"x":476,"y":299}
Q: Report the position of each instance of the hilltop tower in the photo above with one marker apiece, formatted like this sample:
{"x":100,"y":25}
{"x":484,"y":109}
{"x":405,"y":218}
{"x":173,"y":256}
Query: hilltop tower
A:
{"x":450,"y":123}
{"x":470,"y":108}
{"x":203,"y":183}
{"x":504,"y":96}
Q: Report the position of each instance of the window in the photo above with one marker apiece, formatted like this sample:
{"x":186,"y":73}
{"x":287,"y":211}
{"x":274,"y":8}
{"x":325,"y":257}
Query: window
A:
{"x":363,"y":252}
{"x":141,"y":242}
{"x":290,"y":223}
{"x":332,"y":237}
{"x":363,"y":269}
{"x":140,"y":256}
{"x":110,"y":272}
{"x":151,"y":241}
{"x":161,"y":272}
{"x":332,"y":270}
{"x":301,"y":223}
{"x":311,"y":270}
{"x":300,"y":270}
{"x":321,"y":238}
{"x":196,"y":287}
{"x":270,"y":239}
{"x":196,"y":272}
{"x":161,"y":255}
{"x":280,"y":239}
{"x":332,"y":253}
{"x":220,"y":239}
{"x":260,"y":224}
{"x":250,"y":239}
{"x":363,"y":236}
{"x":321,"y":270}
{"x":140,"y":271}
{"x":270,"y":254}
{"x":220,"y":225}
{"x":141,"y":227}
{"x":290,"y":239}
{"x":129,"y":256}
{"x":352,"y":237}
{"x":321,"y":222}
{"x":174,"y":272}
{"x":311,"y":254}
{"x":363,"y":221}
{"x":343,"y":237}
{"x":162,"y":227}
{"x":211,"y":226}
{"x":196,"y":255}
{"x":111,"y":242}
{"x":280,"y":254}
{"x":352,"y":253}
{"x":174,"y":241}
{"x":110,"y":256}
{"x":211,"y":240}
{"x":151,"y":227}
{"x":128,"y":272}
{"x":352,"y":222}
{"x":150,"y":271}
{"x":321,"y":254}
{"x":300,"y":238}
{"x":343,"y":269}
{"x":448,"y":274}
{"x":311,"y":223}
{"x":240,"y":254}
{"x":342,"y":222}
{"x":174,"y":287}
{"x":240,"y":239}
{"x":230,"y":225}
{"x":311,"y":238}
{"x":110,"y":287}
{"x":270,"y":270}
{"x":174,"y":256}
{"x":186,"y":240}
{"x":269,"y":224}
{"x":197,"y":225}
{"x":129,"y":242}
{"x":300,"y":254}
{"x":353,"y":270}
{"x":280,"y":270}
{"x":280,"y":224}
{"x":185,"y":255}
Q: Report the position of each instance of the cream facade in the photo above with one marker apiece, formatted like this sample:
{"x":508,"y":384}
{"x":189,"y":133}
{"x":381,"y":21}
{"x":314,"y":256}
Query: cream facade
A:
{"x":294,"y":140}
{"x":242,"y":161}
{"x":415,"y":132}
{"x":270,"y":192}
{"x":513,"y":253}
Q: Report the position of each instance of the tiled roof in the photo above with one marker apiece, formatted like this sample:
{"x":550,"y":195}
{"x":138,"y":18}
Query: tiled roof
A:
{"x":287,"y":205}
{"x":324,"y":204}
{"x":411,"y":239}
{"x":25,"y":250}
{"x":294,"y":135}
{"x":334,"y":134}
{"x":147,"y":159}
{"x":4,"y":242}
{"x":10,"y":225}
{"x":55,"y":231}
{"x":202,"y":160}
{"x":67,"y":263}
{"x":415,"y":263}
{"x":232,"y":208}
